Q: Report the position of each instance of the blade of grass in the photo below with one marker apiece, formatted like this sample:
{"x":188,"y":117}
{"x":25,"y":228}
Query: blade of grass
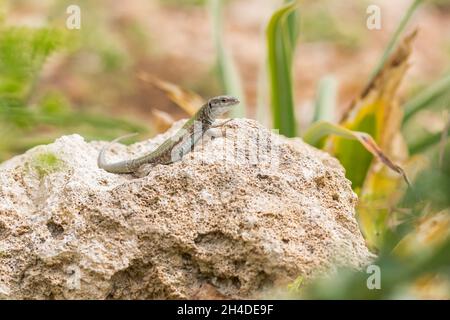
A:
{"x":427,"y":97}
{"x":443,"y":141}
{"x":280,"y":53}
{"x":228,"y":73}
{"x":293,"y":24}
{"x":325,"y":103}
{"x":317,"y":131}
{"x":420,"y":145}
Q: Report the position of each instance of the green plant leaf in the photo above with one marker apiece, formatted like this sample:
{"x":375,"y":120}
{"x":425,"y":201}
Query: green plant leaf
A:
{"x":427,"y":97}
{"x":375,"y":112}
{"x":280,"y":54}
{"x":422,"y":144}
{"x":317,"y":131}
{"x":293,"y":24}
{"x":325,"y":103}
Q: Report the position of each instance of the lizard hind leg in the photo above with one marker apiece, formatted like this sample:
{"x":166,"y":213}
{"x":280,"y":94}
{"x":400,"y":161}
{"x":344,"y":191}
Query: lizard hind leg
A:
{"x":144,"y":170}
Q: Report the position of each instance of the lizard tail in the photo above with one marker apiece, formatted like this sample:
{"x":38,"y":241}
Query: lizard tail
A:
{"x":101,"y":161}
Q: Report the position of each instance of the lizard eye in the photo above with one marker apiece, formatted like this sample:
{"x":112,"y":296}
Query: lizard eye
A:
{"x":223,"y":100}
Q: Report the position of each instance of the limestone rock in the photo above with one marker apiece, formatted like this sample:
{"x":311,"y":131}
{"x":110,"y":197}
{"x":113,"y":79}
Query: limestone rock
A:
{"x":240,"y":214}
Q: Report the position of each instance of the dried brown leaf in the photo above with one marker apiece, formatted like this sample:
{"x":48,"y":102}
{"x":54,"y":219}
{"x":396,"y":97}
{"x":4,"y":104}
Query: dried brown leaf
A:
{"x":187,"y":100}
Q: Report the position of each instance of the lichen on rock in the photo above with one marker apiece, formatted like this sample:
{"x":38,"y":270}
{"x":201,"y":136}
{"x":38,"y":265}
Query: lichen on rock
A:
{"x":238,"y":215}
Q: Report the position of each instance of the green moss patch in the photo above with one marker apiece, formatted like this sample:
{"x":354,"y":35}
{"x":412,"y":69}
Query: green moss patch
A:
{"x":46,"y":163}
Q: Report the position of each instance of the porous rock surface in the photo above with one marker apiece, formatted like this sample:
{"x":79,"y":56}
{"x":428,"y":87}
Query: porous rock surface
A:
{"x":225,"y":222}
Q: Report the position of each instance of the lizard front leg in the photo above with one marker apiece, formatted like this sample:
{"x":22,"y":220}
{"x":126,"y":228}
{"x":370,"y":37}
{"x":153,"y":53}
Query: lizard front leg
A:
{"x":214,"y":131}
{"x":221,"y":124}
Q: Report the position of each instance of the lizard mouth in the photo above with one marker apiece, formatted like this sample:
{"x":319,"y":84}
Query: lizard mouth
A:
{"x":234,"y":101}
{"x":231,"y":101}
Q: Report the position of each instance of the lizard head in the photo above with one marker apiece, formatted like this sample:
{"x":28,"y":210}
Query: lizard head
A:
{"x":222,"y":104}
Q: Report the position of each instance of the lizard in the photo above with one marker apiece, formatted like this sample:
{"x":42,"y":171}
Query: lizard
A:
{"x":174,"y":148}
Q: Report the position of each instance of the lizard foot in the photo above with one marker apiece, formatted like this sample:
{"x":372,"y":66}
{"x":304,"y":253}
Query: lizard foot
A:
{"x":221,"y":124}
{"x":216,"y":130}
{"x":214,"y":133}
